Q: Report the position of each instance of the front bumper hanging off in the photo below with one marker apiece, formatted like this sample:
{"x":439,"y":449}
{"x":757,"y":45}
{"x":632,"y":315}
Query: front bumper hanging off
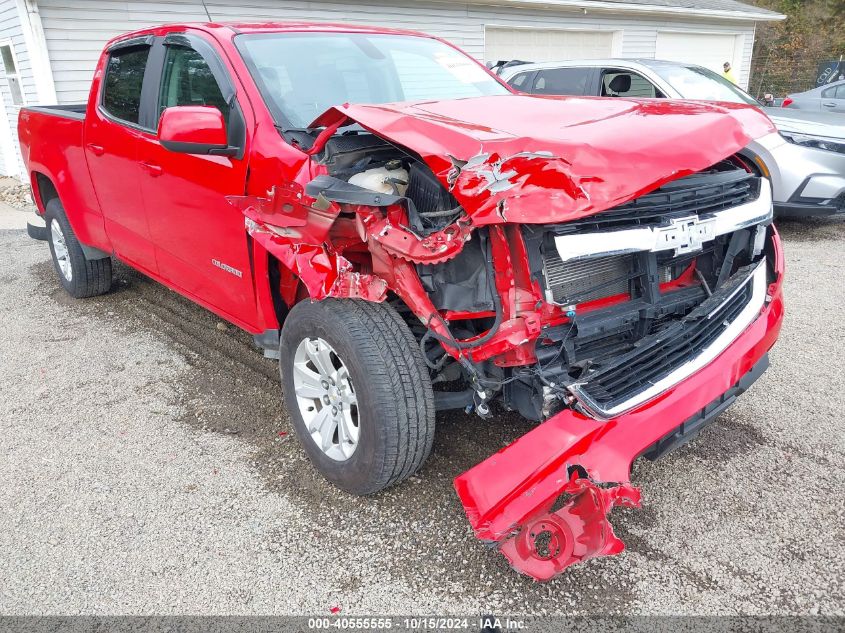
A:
{"x":544,"y":499}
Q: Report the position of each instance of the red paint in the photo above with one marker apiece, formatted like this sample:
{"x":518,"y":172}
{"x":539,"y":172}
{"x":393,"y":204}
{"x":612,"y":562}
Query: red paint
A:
{"x":786,"y":103}
{"x":513,"y":489}
{"x":578,"y":531}
{"x":192,"y":124}
{"x":214,"y":227}
{"x":592,"y":154}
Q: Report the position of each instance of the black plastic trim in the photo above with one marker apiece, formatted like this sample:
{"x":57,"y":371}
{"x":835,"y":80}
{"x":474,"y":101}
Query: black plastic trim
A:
{"x":199,"y":148}
{"x":339,"y":190}
{"x":268,"y":342}
{"x":143,"y":40}
{"x":75,"y":111}
{"x":805,"y":210}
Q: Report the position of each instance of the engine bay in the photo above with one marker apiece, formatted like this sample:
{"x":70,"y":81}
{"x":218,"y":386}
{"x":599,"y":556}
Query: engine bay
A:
{"x":603,"y":290}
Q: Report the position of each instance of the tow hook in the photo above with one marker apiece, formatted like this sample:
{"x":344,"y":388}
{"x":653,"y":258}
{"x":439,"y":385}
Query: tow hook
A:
{"x":482,"y":409}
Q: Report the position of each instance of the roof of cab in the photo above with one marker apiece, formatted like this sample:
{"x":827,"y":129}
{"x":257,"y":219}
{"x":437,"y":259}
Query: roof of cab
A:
{"x":228,"y":30}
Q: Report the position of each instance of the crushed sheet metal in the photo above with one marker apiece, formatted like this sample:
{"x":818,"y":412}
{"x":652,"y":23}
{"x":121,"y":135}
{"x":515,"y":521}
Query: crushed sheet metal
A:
{"x":517,"y":487}
{"x":436,"y":248}
{"x":547,"y":545}
{"x":591,"y":154}
{"x":323,"y":272}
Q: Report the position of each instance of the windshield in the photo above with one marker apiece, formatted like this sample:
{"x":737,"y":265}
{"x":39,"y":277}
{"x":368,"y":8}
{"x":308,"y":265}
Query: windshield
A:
{"x":301,"y":75}
{"x":695,"y":82}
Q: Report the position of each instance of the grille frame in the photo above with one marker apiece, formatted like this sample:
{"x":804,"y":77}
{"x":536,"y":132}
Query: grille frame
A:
{"x":743,"y":296}
{"x":698,"y":194}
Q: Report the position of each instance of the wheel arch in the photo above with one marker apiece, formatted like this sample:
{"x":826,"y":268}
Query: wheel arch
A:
{"x":87,"y":224}
{"x":43,"y":190}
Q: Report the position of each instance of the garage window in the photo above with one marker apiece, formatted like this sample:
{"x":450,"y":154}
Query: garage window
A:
{"x":562,"y":81}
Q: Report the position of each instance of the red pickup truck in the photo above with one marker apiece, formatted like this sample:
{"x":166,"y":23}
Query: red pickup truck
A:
{"x":407,"y":235}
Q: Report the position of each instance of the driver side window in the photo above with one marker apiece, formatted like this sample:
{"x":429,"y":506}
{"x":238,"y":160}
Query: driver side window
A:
{"x":188,"y":80}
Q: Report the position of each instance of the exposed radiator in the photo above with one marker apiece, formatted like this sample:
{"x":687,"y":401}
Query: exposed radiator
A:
{"x":578,"y":281}
{"x":585,"y":280}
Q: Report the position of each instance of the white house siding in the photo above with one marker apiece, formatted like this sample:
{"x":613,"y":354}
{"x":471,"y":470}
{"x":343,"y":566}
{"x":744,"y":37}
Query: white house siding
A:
{"x":76,"y":29}
{"x":11,"y":163}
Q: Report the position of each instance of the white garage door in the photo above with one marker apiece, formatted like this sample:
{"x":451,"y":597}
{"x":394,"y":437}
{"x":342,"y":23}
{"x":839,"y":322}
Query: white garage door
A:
{"x":545,"y":45}
{"x":710,"y":50}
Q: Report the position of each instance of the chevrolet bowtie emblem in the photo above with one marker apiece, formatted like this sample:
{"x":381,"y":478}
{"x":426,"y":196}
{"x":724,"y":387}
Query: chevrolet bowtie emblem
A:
{"x":685,"y":235}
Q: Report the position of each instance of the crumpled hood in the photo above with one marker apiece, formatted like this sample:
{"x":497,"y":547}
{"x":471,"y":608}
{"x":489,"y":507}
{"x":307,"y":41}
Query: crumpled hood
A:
{"x":519,"y":158}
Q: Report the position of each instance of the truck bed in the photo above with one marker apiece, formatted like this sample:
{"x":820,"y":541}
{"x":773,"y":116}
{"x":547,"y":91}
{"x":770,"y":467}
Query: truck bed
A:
{"x":71,"y":111}
{"x":52,"y":145}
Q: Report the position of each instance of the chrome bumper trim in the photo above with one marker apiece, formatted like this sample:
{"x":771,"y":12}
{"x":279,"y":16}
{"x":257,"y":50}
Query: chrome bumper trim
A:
{"x":745,"y":318}
{"x":683,"y":235}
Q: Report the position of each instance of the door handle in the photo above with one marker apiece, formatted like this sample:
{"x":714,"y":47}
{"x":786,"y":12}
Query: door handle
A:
{"x":97,"y":150}
{"x":829,"y":104}
{"x":153,"y":170}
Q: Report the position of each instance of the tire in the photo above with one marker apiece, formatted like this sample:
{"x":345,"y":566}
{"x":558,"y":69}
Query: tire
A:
{"x":391,"y":385}
{"x":79,"y":276}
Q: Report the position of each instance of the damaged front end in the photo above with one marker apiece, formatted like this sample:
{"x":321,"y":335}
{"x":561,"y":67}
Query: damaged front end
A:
{"x":600,"y":281}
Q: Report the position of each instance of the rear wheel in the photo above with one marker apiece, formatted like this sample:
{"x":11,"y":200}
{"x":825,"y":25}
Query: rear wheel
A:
{"x":78,"y":275}
{"x":357,"y":391}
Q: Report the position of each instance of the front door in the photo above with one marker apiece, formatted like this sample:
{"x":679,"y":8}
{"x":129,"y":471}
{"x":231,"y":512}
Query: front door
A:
{"x":201,"y":242}
{"x":112,"y":133}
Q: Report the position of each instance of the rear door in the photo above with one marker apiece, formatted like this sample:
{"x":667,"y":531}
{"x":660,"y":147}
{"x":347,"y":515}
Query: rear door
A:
{"x":833,"y":99}
{"x":201,"y":242}
{"x":113,"y":128}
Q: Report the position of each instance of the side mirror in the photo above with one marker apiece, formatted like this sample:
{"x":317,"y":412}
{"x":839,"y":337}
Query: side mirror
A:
{"x":194,"y":130}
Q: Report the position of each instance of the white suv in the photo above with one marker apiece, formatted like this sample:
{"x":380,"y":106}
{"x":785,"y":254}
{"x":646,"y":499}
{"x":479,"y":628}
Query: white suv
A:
{"x":806,"y":164}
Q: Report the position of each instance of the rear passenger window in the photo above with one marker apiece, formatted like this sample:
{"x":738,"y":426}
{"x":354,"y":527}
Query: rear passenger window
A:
{"x":188,"y":80}
{"x":562,"y":81}
{"x":122,"y":85}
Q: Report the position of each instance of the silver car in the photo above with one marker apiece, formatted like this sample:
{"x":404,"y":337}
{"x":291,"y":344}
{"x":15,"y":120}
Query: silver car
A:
{"x":829,"y":98}
{"x":805,"y":161}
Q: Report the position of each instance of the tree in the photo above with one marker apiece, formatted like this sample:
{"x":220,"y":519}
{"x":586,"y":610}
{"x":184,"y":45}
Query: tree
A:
{"x":787,"y":54}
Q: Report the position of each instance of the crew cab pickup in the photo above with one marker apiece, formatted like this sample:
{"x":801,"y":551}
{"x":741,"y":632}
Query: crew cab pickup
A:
{"x":408,"y":235}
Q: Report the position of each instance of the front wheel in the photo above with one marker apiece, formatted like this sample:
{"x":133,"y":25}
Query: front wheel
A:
{"x":358,"y":392}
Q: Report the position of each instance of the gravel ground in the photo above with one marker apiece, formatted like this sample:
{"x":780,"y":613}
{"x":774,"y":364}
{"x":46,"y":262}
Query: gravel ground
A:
{"x":148,"y":469}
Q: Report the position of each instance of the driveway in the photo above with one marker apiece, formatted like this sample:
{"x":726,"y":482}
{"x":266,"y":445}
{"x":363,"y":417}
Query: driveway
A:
{"x":147,"y":468}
